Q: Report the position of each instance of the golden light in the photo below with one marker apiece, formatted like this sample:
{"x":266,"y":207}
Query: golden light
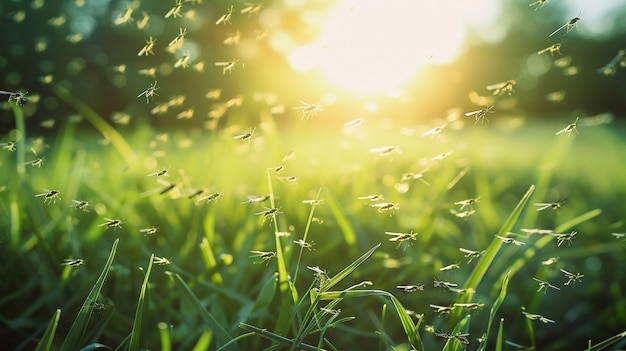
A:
{"x":373,"y":46}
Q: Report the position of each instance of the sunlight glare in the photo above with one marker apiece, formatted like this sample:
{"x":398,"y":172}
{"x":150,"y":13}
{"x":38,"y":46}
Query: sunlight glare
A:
{"x":372,"y":46}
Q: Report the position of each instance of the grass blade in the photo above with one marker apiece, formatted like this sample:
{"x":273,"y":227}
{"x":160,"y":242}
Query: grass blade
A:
{"x":495,"y":307}
{"x":606,"y":343}
{"x":46,"y":340}
{"x":277,"y":338}
{"x":347,"y":229}
{"x":410,"y":328}
{"x":349,"y":269}
{"x":221,"y":334}
{"x":141,"y":310}
{"x":75,"y":336}
{"x":500,"y":333}
{"x":485,"y":261}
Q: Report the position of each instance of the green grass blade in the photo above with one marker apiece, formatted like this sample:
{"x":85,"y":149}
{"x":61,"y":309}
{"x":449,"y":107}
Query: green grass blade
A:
{"x":452,"y":344}
{"x":46,"y":340}
{"x":606,"y":343}
{"x":75,"y":336}
{"x":141,"y":310}
{"x":499,"y":339}
{"x":306,"y":234}
{"x":485,"y":261}
{"x":266,"y":295}
{"x":349,"y":269}
{"x":165,"y":336}
{"x":204,"y":341}
{"x":221,"y":334}
{"x":349,"y":234}
{"x":410,"y":328}
{"x":495,"y":307}
{"x":281,"y":340}
{"x":21,"y":140}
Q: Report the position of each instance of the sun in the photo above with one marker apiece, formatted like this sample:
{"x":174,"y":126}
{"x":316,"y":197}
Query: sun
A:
{"x":373,"y":46}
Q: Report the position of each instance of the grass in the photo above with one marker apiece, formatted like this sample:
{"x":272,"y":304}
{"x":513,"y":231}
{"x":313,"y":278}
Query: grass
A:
{"x":338,"y":294}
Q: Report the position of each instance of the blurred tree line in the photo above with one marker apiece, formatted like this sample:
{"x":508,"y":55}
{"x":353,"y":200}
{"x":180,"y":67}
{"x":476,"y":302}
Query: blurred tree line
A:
{"x":40,"y":48}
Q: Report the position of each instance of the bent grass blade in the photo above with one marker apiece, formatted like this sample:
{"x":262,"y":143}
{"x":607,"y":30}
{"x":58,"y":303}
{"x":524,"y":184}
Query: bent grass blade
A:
{"x":74,"y":338}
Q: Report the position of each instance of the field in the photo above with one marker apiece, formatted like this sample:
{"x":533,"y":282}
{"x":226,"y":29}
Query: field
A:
{"x":220,"y":193}
{"x":300,"y":256}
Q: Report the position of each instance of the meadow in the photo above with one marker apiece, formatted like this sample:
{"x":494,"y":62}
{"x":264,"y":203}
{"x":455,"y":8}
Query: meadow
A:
{"x":148,"y":202}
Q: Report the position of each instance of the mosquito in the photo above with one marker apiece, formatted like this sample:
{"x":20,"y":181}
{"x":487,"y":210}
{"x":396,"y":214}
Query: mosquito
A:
{"x":354,"y":123}
{"x":143,"y":22}
{"x":463,"y":214}
{"x":209,"y":197}
{"x":561,"y":238}
{"x":232,"y":38}
{"x":37,"y":162}
{"x":471,"y":254}
{"x":18,"y":96}
{"x":148,"y":48}
{"x":161,"y":173}
{"x":411,"y":288}
{"x":245,"y":136}
{"x":569,"y":129}
{"x":568,"y":26}
{"x":80,"y":204}
{"x":312,"y":202}
{"x":126,"y":17}
{"x":372,"y":198}
{"x":150,"y":92}
{"x":412,"y":176}
{"x":619,"y":235}
{"x":268,"y":213}
{"x":73,"y":262}
{"x":538,"y":4}
{"x":161,"y":261}
{"x":385,"y":150}
{"x":303,"y":244}
{"x":537,"y":317}
{"x":460,"y":337}
{"x":9,"y":146}
{"x":443,"y":284}
{"x":149,"y":231}
{"x":434,"y":131}
{"x":509,"y":240}
{"x":544,"y":285}
{"x":548,"y":205}
{"x":225,"y":18}
{"x":264,"y":256}
{"x":441,"y":156}
{"x":450,"y":267}
{"x":308,"y":110}
{"x":502,"y":87}
{"x":175,"y":11}
{"x":442,"y":309}
{"x":571,"y":277}
{"x":111,"y":223}
{"x":180,"y":37}
{"x":252,"y":8}
{"x":550,"y":261}
{"x":468,"y":202}
{"x":228,"y":66}
{"x":480,"y":115}
{"x":537,"y":231}
{"x":253,"y":199}
{"x":470,"y":305}
{"x":49,"y":196}
{"x":552,"y":49}
{"x":402,"y":237}
{"x":387,"y":206}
